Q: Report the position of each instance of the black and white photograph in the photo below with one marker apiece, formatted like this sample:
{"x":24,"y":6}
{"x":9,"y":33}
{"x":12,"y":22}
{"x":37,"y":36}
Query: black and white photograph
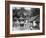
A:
{"x":26,"y":18}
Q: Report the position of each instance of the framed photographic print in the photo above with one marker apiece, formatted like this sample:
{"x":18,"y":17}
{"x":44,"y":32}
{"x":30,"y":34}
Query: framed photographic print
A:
{"x":24,"y":19}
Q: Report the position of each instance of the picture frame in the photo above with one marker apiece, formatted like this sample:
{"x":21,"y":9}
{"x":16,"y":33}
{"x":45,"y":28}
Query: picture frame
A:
{"x":25,"y":10}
